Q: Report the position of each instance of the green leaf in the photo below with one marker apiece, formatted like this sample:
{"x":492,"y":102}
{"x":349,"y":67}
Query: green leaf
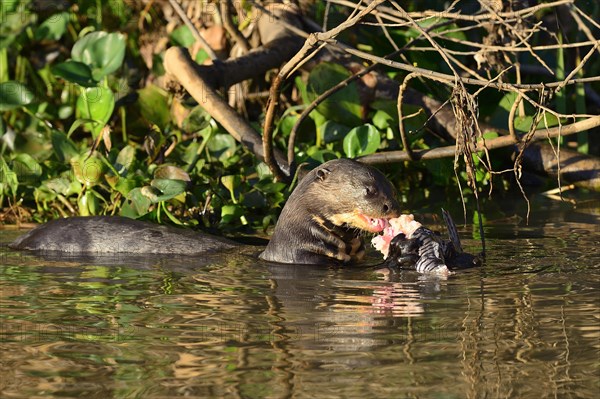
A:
{"x":125,"y":159}
{"x":64,"y":148}
{"x":9,"y":181}
{"x":171,"y":172}
{"x":362,"y":140}
{"x":231,"y":182}
{"x":28,"y":170}
{"x":103,"y":52}
{"x":182,"y":36}
{"x":137,"y":204}
{"x":13,"y":95}
{"x":197,"y":120}
{"x":124,"y":186}
{"x":154,"y":106}
{"x":343,"y":106}
{"x":79,"y":122}
{"x":74,"y":72}
{"x":201,"y":56}
{"x":231,"y":213}
{"x":319,"y":155}
{"x":333,"y":131}
{"x":382,"y":120}
{"x":96,"y":103}
{"x":59,"y":185}
{"x":88,"y":170}
{"x":222,"y":146}
{"x":53,"y":28}
{"x":268,"y":186}
{"x":169,"y":188}
{"x":88,"y":204}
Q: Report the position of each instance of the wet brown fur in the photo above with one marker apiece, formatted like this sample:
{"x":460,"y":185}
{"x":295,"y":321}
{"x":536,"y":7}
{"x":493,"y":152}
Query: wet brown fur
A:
{"x":320,"y":224}
{"x":321,"y":221}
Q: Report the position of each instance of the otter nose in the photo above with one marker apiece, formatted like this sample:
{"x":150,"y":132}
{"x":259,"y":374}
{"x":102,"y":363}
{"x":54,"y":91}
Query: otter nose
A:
{"x":391,"y":208}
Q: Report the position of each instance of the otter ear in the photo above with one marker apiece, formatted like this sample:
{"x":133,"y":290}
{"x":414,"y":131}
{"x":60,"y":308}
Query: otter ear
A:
{"x":323,"y":173}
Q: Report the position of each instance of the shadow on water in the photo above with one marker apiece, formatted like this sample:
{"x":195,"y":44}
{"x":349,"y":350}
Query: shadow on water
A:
{"x":526,"y":324}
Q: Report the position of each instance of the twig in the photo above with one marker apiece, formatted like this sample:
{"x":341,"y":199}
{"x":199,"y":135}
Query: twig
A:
{"x":225,"y":7}
{"x":177,"y":7}
{"x":498,"y":142}
{"x":179,"y":64}
{"x":291,"y":65}
{"x":403,"y":137}
{"x":344,"y":83}
{"x":442,"y":77}
{"x":511,"y":116}
{"x":578,"y":67}
{"x":523,"y":13}
{"x":584,"y":15}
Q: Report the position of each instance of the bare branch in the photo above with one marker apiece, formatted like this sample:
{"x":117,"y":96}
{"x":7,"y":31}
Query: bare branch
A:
{"x":177,"y":7}
{"x":499,"y":142}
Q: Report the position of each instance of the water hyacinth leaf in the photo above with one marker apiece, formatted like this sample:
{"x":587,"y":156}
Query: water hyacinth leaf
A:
{"x":333,"y":131}
{"x":88,"y":204}
{"x":80,"y":122}
{"x":171,"y":172}
{"x":53,"y":28}
{"x":88,"y":170}
{"x":154,"y":106}
{"x":231,"y":182}
{"x":60,"y":185}
{"x":9,"y":182}
{"x":362,"y":140}
{"x":231,"y":213}
{"x":74,"y":72}
{"x":201,"y":56}
{"x":269,"y":187}
{"x":344,"y":105}
{"x":96,"y":103}
{"x":13,"y":95}
{"x":169,"y":188}
{"x":136,"y":205}
{"x":125,"y":159}
{"x":321,"y":156}
{"x":124,"y":185}
{"x":64,"y":148}
{"x":182,"y":36}
{"x":222,"y":146}
{"x":103,"y":52}
{"x":28,"y":170}
{"x":197,"y":120}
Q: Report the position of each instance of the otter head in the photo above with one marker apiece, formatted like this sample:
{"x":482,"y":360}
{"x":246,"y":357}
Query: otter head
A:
{"x":352,"y":195}
{"x":321,"y":220}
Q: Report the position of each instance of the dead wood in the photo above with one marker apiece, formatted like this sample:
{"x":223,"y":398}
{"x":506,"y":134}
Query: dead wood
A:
{"x":179,"y":64}
{"x":580,"y":169}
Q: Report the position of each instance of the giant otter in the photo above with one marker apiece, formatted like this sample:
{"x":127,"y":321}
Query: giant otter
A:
{"x":320,"y":223}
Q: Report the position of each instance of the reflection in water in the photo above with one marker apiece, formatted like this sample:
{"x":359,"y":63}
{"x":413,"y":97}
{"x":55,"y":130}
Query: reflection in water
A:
{"x":526,"y":324}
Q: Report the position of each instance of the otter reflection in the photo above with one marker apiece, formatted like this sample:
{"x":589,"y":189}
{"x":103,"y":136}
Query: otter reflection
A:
{"x":348,"y":309}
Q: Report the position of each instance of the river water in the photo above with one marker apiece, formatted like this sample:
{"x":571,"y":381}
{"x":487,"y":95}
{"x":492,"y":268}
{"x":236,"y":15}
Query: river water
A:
{"x":526,"y":324}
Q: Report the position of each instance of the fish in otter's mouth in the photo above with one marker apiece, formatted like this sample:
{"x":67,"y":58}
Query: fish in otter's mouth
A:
{"x":406,"y":243}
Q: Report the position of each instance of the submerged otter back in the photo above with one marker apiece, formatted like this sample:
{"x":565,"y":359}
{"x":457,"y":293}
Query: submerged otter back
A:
{"x":116,"y":234}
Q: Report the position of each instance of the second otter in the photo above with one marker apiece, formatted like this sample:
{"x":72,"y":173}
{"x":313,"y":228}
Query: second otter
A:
{"x":319,"y":224}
